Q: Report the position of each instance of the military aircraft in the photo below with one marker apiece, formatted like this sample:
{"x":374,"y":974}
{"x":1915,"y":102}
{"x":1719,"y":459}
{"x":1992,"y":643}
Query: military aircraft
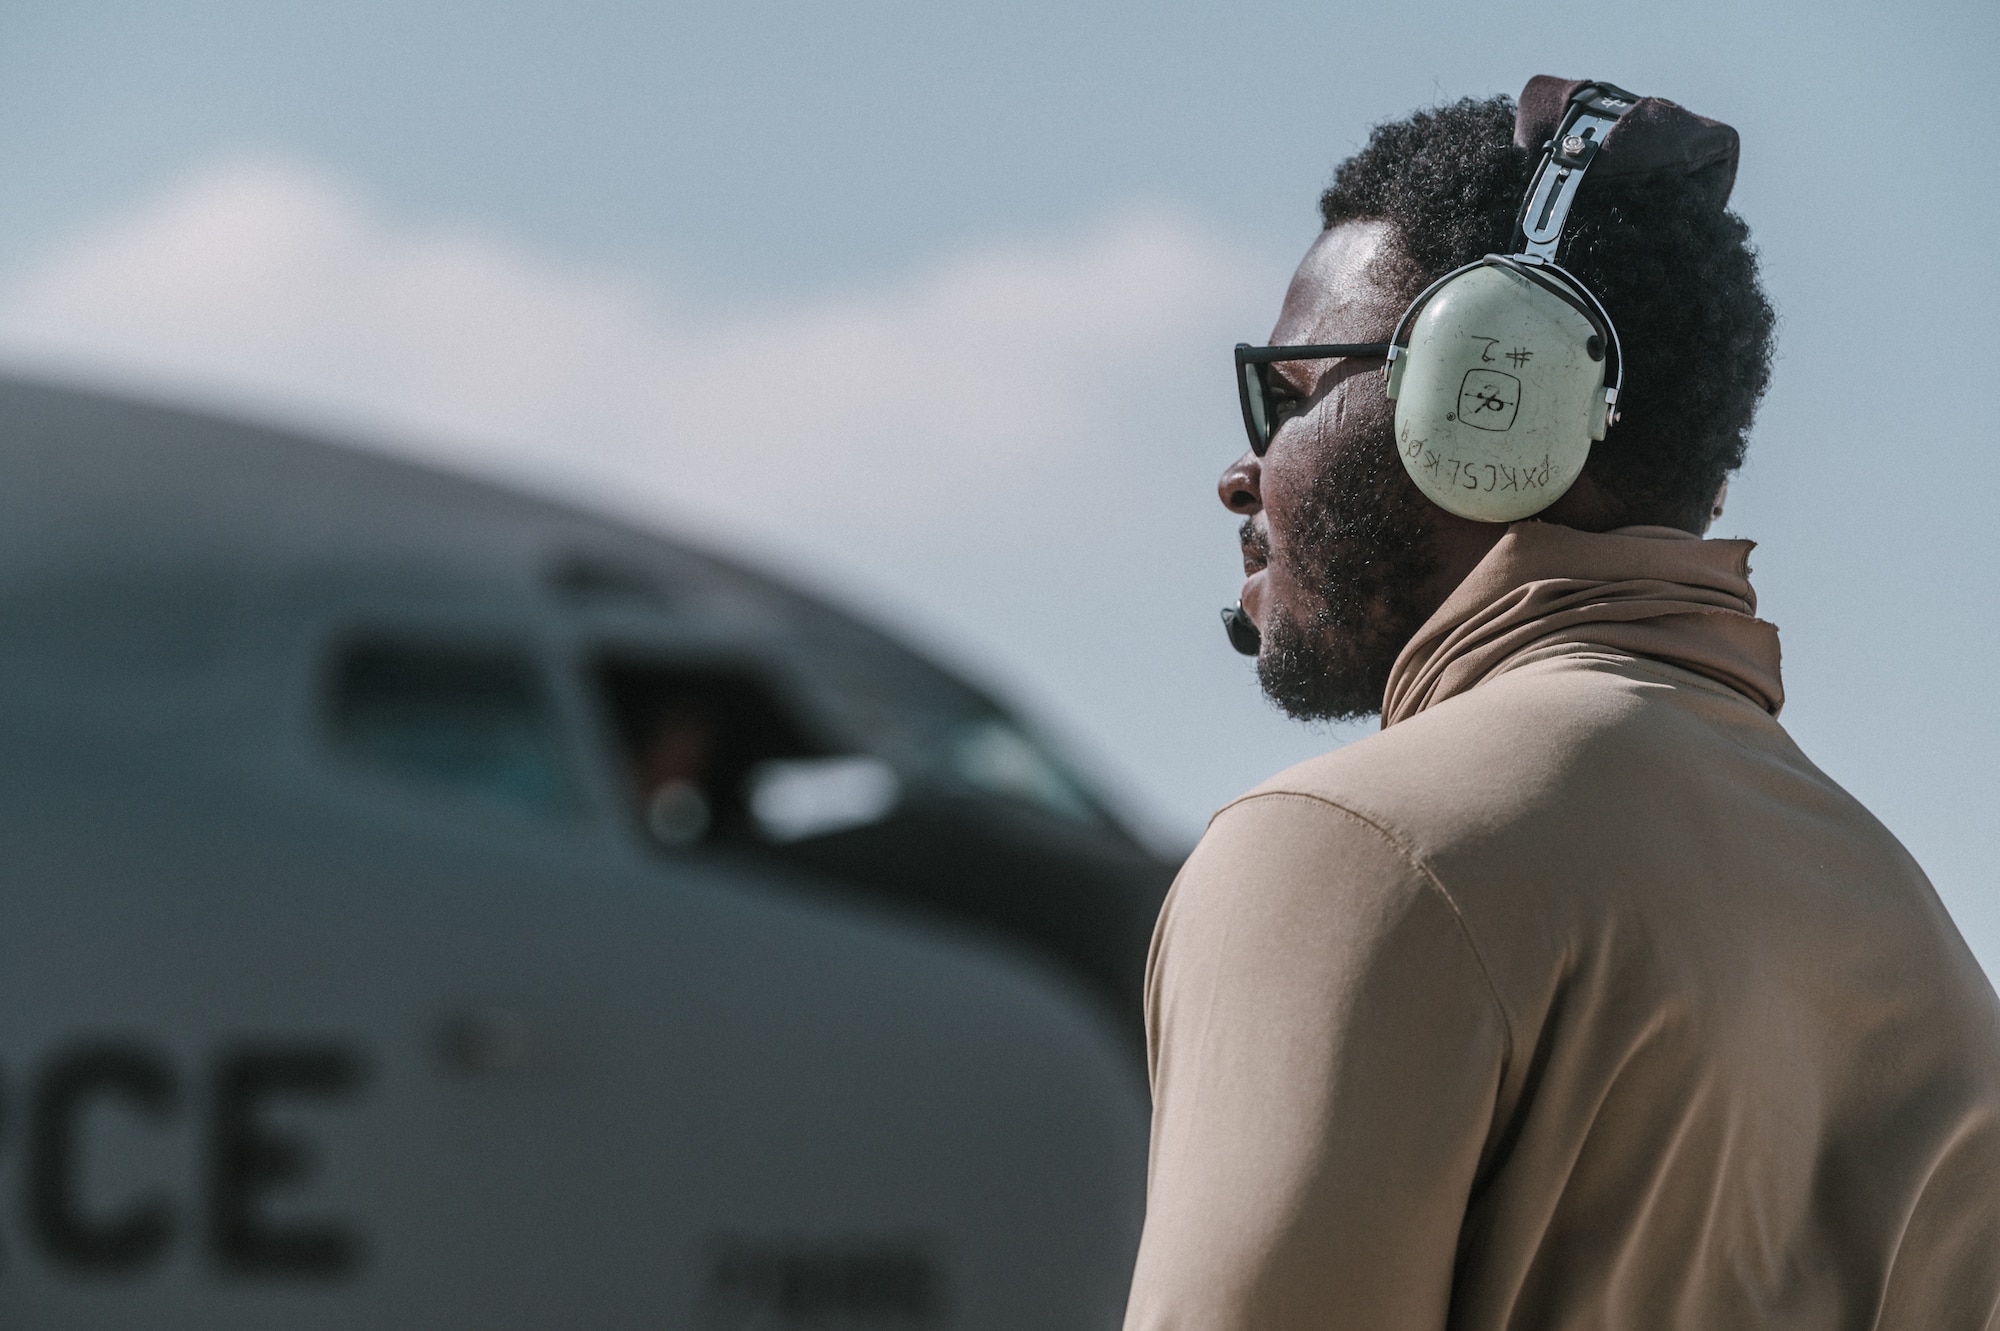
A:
{"x":425,"y":905}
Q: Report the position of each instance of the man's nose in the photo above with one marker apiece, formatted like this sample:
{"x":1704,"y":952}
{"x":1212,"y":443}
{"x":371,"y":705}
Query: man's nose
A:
{"x":1241,"y":485}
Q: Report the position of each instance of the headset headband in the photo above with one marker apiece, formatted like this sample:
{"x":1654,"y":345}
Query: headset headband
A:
{"x":1593,"y":109}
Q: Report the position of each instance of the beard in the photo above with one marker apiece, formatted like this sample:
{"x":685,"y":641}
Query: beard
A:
{"x":1363,"y":556}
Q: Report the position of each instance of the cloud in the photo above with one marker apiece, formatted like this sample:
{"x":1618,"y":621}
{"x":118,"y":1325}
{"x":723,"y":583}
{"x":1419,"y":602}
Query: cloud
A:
{"x":268,"y":284}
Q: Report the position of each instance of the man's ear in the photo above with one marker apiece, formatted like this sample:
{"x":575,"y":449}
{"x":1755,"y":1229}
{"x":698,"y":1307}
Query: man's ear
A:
{"x":1715,"y":509}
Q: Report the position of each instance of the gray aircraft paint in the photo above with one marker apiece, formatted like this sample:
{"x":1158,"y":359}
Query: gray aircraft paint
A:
{"x":285,"y":1040}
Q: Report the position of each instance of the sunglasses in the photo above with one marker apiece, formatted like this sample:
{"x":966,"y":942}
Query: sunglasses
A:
{"x":1253,"y":380}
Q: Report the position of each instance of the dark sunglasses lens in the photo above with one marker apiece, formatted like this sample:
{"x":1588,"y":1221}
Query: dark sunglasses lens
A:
{"x":1257,"y":409}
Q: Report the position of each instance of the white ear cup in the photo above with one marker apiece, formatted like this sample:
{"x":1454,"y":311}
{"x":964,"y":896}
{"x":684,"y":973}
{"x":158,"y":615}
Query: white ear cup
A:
{"x":1498,"y":397}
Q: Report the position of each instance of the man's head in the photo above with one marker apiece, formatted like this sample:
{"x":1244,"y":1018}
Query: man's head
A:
{"x":1346,"y":557}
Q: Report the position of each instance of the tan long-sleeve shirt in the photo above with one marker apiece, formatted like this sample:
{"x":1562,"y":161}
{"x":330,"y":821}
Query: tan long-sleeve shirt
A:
{"x":1576,"y":998}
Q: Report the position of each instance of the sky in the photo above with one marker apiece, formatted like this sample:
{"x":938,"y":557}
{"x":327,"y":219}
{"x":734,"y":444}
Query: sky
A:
{"x":929,"y":307}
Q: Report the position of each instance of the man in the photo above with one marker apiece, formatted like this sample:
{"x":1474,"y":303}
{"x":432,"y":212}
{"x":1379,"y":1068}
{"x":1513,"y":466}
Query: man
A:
{"x":1577,"y":997}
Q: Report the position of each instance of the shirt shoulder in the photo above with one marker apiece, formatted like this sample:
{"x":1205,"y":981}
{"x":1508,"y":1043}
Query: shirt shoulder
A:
{"x":1593,"y":812}
{"x":1313,"y":909}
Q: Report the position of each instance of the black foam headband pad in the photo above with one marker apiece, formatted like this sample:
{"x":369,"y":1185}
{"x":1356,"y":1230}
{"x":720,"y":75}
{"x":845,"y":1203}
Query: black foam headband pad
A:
{"x":1655,"y":138}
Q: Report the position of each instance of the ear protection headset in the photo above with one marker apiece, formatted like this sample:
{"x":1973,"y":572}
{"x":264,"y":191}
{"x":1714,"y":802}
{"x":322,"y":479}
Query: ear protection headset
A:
{"x":1505,"y":371}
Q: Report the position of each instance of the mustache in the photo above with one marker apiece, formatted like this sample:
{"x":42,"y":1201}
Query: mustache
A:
{"x":1255,"y":541}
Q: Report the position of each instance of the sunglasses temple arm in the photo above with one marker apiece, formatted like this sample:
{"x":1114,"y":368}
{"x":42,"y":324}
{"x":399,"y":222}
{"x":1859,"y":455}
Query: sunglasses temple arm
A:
{"x":1267,"y":355}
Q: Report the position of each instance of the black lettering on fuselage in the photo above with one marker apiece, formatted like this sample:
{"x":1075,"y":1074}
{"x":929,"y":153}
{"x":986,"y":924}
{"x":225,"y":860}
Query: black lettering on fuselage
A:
{"x":884,"y":1283}
{"x":249,"y":1158}
{"x":140,"y":1082}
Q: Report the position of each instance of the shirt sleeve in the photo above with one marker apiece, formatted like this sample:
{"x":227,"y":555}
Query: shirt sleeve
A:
{"x":1325,"y":1051}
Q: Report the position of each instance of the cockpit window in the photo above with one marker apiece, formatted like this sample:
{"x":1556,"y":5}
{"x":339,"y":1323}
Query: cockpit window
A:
{"x":997,"y":759}
{"x":712,"y":755}
{"x":474,"y":718}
